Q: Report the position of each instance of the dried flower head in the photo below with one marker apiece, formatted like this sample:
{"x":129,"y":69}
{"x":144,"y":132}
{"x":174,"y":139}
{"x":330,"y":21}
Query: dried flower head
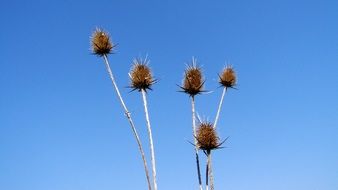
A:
{"x":193,"y":80}
{"x":228,"y":77}
{"x":207,"y":138}
{"x":140,"y":75}
{"x":101,"y":44}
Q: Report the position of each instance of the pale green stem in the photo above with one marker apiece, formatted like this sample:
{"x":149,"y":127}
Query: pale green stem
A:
{"x":127,"y":113}
{"x":195,"y":142}
{"x":153,"y":163}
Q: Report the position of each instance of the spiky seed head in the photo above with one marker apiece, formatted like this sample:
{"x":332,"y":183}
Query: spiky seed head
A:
{"x":228,"y":77}
{"x":140,"y":75}
{"x":101,"y":44}
{"x":193,"y":80}
{"x":207,"y":138}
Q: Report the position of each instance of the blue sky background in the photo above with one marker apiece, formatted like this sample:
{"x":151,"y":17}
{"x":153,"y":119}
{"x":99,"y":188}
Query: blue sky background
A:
{"x":62,"y":127}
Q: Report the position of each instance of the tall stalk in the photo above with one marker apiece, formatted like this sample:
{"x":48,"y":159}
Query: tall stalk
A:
{"x":220,"y":106}
{"x":211,"y":176}
{"x":195,"y":141}
{"x":128,"y":115}
{"x":207,"y":169}
{"x":153,"y":163}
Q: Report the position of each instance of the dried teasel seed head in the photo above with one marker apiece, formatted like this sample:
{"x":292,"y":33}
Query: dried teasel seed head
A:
{"x":140,"y":75}
{"x":101,"y":44}
{"x":193,"y":80}
{"x":207,"y":138}
{"x":228,"y":77}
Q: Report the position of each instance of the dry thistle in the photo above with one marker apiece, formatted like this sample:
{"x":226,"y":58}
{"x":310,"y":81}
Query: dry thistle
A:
{"x":101,"y":44}
{"x":193,"y":80}
{"x":207,"y":138}
{"x":140,"y":75}
{"x":228,"y":77}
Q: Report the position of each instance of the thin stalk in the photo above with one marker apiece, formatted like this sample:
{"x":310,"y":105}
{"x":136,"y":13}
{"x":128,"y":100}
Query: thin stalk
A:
{"x":195,"y":142}
{"x":150,"y":138}
{"x":219,"y":107}
{"x":211,"y":176}
{"x":207,"y":170}
{"x":215,"y":124}
{"x":127,"y":113}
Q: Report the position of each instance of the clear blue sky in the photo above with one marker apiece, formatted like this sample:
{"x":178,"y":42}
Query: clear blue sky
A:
{"x":62,"y":128}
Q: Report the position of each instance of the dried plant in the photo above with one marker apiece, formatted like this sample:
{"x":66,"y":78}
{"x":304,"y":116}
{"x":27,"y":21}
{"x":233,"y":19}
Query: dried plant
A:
{"x":101,"y":43}
{"x":193,"y":80}
{"x":228,"y":77}
{"x":207,"y":138}
{"x":102,"y":46}
{"x":193,"y":85}
{"x":141,"y":79}
{"x":140,"y":76}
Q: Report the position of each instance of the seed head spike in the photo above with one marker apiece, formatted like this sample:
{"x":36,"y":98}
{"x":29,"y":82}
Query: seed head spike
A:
{"x":228,"y":77}
{"x":193,"y":80}
{"x":141,"y":76}
{"x":100,"y":42}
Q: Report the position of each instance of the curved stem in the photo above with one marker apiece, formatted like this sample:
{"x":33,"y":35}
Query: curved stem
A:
{"x":153,"y":163}
{"x":195,"y":141}
{"x":219,"y":107}
{"x":127,"y":113}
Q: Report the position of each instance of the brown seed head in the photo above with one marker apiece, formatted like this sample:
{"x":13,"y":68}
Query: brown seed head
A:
{"x":101,"y":44}
{"x":193,"y":80}
{"x":228,"y":77}
{"x":207,"y":138}
{"x":140,"y":75}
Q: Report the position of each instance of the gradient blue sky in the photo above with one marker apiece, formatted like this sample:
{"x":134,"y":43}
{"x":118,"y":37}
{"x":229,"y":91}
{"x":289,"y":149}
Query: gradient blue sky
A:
{"x":62,"y":128}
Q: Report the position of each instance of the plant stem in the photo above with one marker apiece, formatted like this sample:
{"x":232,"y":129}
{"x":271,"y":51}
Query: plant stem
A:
{"x":207,"y":170}
{"x":219,"y":107}
{"x":150,"y":138}
{"x":195,"y":142}
{"x":215,"y":124}
{"x":211,"y":176}
{"x":127,"y":113}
